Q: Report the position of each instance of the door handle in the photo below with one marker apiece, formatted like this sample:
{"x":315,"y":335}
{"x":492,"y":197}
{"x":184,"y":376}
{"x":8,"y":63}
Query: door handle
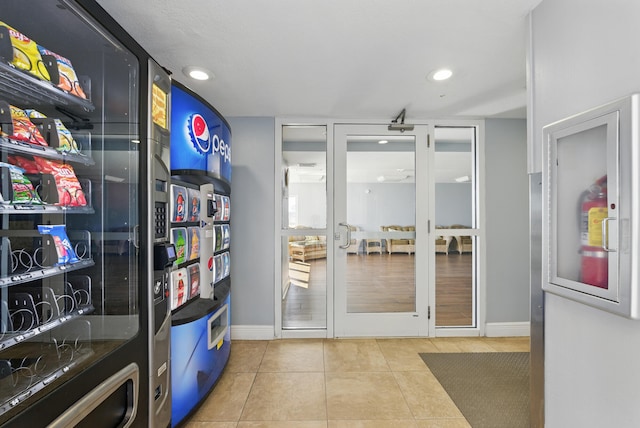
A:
{"x":605,"y":234}
{"x":348,"y":226}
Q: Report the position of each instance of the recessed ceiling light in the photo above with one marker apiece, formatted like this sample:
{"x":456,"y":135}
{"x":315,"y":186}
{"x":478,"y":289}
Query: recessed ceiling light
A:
{"x":383,"y":141}
{"x":462,"y":179}
{"x":441,"y":74}
{"x":197,"y":73}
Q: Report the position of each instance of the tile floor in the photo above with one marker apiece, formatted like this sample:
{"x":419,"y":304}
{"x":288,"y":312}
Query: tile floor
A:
{"x":341,"y":383}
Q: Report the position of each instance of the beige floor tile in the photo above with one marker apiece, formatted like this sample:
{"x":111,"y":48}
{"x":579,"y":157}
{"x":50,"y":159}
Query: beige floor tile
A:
{"x":402,"y":354}
{"x":227,"y":399}
{"x":283,"y":424}
{"x":286,"y":396}
{"x":509,"y":344}
{"x":353,"y":355}
{"x":402,"y":423}
{"x":246,"y":355}
{"x":443,"y":423}
{"x":211,"y":425}
{"x":425,"y":396}
{"x":293,"y":355}
{"x":462,"y":344}
{"x":365,"y":396}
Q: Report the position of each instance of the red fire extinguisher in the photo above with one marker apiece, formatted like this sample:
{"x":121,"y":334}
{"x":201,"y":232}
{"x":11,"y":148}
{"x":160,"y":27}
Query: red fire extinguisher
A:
{"x":593,"y":210}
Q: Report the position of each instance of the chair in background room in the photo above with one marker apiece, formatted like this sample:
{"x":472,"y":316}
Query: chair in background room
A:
{"x":464,"y":243}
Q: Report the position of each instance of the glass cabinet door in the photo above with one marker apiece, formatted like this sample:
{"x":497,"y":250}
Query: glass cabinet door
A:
{"x":584,"y":205}
{"x":69,"y":186}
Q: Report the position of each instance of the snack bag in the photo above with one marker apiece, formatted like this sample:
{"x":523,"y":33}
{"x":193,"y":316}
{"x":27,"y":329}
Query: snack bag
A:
{"x":63,"y":246}
{"x":23,"y":191}
{"x":24,"y":129}
{"x":25,"y":54}
{"x":29,"y":166}
{"x":66,"y":143}
{"x":68,"y":79}
{"x":70,"y":193}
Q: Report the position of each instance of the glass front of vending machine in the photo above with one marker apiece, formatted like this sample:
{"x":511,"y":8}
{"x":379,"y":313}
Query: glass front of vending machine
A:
{"x":73,"y":307}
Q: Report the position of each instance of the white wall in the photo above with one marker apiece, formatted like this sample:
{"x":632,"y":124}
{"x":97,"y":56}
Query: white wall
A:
{"x":507,"y":224}
{"x":371,"y":205}
{"x":585,"y":53}
{"x":252,"y":220}
{"x":454,"y":204}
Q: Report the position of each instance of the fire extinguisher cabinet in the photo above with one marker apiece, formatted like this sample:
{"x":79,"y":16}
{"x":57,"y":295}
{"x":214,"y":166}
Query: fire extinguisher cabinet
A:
{"x":592,"y":207}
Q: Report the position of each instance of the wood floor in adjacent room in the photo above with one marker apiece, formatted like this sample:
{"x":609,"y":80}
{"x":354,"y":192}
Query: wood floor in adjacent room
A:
{"x":384,"y":283}
{"x":338,"y":383}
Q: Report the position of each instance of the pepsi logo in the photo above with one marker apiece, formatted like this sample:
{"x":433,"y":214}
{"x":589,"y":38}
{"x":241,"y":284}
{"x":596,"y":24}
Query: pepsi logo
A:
{"x":199,"y":133}
{"x":210,"y":264}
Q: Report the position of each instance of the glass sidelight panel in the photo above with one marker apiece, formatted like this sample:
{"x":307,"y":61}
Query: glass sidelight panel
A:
{"x":304,"y":222}
{"x":304,"y":177}
{"x":456,"y":232}
{"x":455,"y":284}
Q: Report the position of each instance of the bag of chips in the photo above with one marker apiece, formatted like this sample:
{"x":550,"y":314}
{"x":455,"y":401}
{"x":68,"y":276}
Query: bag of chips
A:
{"x":22,"y":189}
{"x":24,"y":129}
{"x":58,"y":232}
{"x":70,"y":193}
{"x":26,"y":55}
{"x":64,"y":141}
{"x":67,"y":77}
{"x":29,"y":166}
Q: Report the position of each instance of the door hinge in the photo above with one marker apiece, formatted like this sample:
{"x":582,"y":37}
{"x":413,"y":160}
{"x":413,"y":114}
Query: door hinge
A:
{"x":428,"y":312}
{"x":428,"y":140}
{"x":428,"y":226}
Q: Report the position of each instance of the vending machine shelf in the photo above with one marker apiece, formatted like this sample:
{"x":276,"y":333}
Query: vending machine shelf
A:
{"x":22,"y":148}
{"x":10,"y":338}
{"x":34,"y":275}
{"x":30,"y":375}
{"x":19,"y":85}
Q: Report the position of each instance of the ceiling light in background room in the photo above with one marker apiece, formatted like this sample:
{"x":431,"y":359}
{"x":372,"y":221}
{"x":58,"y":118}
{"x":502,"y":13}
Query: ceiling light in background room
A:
{"x":440,"y":75}
{"x":462,"y":179}
{"x":197,"y":73}
{"x":383,"y":141}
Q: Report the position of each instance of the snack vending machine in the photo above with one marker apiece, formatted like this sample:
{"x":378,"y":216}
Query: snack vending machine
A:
{"x":200,"y":230}
{"x":84,"y":243}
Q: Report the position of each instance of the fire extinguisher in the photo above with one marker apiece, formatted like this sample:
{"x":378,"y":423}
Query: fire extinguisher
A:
{"x":593,"y":210}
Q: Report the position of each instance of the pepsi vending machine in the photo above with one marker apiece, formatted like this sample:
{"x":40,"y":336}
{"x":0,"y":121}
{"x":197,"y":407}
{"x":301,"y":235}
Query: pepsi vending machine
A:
{"x":200,"y":231}
{"x":84,"y":128}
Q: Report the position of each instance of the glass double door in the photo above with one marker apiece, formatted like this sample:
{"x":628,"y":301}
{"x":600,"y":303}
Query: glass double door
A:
{"x":378,"y":232}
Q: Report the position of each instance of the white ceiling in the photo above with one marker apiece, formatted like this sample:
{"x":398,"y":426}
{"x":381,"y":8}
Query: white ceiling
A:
{"x":350,"y":59}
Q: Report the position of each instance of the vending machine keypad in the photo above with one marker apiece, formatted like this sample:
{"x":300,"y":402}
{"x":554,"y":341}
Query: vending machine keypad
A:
{"x":161,"y":220}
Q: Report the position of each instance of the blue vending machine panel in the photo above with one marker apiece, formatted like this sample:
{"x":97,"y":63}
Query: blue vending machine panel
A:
{"x":201,"y":137}
{"x":199,"y":352}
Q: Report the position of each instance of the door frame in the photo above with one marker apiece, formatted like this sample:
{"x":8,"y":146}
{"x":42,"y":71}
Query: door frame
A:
{"x":479,"y":232}
{"x":329,"y":332}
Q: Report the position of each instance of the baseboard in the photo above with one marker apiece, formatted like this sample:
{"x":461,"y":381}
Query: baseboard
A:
{"x":498,"y":329}
{"x":252,"y":332}
{"x":507,"y":329}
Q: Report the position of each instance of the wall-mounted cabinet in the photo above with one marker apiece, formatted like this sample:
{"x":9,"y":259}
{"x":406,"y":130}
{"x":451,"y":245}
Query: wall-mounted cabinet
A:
{"x":592,"y":207}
